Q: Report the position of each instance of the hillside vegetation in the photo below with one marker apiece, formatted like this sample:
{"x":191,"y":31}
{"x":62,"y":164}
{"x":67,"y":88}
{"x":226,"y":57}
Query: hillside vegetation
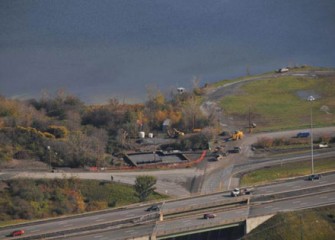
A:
{"x":311,"y":224}
{"x":62,"y":131}
{"x":26,"y":199}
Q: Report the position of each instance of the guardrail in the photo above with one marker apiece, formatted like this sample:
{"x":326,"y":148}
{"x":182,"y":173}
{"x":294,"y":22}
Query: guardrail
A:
{"x":223,"y":202}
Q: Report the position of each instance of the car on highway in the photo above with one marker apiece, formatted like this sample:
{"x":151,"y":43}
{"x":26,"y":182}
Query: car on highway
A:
{"x":323,"y":145}
{"x":235,"y":192}
{"x":209,"y":215}
{"x":314,"y":177}
{"x":16,"y":233}
{"x":153,"y":208}
{"x":241,"y":191}
{"x":302,"y":135}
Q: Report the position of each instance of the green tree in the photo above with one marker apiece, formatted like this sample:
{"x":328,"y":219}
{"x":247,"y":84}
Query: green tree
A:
{"x":145,"y":186}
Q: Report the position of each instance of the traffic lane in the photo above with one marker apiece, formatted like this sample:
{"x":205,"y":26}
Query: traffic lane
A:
{"x":293,"y":204}
{"x":197,"y":221}
{"x":293,"y":185}
{"x":71,"y":223}
{"x":196,"y":201}
{"x":116,"y":234}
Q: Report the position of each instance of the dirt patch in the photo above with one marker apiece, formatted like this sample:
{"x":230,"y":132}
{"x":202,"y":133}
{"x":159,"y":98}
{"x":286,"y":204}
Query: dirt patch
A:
{"x":24,"y":164}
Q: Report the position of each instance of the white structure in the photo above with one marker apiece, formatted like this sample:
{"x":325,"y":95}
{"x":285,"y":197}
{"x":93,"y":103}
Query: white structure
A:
{"x":181,"y":90}
{"x":141,"y":135}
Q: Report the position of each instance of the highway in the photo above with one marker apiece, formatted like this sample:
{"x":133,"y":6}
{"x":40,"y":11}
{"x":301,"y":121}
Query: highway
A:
{"x":188,"y":213}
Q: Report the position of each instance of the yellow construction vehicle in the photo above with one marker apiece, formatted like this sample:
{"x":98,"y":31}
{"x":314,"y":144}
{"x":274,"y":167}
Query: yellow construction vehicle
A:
{"x":174,"y":133}
{"x":237,"y":135}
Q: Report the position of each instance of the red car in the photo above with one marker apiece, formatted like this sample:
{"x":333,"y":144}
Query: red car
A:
{"x":17,"y":233}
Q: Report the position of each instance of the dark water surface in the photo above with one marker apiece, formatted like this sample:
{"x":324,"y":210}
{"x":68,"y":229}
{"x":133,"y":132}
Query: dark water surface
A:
{"x":112,"y":48}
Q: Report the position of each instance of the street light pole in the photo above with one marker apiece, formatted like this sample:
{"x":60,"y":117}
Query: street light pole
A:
{"x":49,"y":150}
{"x":311,"y":99}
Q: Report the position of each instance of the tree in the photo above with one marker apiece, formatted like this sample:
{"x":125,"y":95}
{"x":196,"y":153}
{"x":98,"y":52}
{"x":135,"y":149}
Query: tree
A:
{"x":145,"y":186}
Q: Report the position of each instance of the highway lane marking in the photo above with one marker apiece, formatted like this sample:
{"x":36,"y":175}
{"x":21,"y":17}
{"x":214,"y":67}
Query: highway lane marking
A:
{"x":99,"y":220}
{"x":98,"y":236}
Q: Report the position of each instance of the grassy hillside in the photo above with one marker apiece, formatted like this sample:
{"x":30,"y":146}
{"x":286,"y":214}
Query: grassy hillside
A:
{"x":286,"y":170}
{"x":281,"y":102}
{"x":311,"y":224}
{"x":27,"y":199}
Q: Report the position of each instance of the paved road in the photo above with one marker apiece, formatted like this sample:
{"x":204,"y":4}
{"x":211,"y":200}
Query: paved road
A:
{"x":311,"y":201}
{"x":116,"y":234}
{"x":171,"y":182}
{"x":219,"y":174}
{"x":288,"y":202}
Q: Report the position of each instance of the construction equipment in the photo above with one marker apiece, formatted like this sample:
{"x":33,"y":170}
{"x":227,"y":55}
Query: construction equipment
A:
{"x":237,"y":135}
{"x":174,"y":133}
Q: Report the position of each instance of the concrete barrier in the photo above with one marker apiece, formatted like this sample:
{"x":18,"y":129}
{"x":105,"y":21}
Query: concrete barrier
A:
{"x":252,"y":223}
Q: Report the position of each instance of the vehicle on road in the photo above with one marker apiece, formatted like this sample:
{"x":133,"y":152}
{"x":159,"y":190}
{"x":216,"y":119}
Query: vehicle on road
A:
{"x":302,"y":135}
{"x":218,"y":156}
{"x":16,"y":233}
{"x":235,"y":150}
{"x":209,"y":215}
{"x":323,"y":145}
{"x":153,"y":208}
{"x":241,"y":191}
{"x":314,"y":177}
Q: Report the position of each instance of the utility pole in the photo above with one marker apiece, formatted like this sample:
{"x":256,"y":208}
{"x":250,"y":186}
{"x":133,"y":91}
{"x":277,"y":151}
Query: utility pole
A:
{"x":311,"y":99}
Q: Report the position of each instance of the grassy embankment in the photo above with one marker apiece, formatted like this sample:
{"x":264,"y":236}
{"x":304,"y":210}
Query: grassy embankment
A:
{"x":311,"y":224}
{"x":274,"y":103}
{"x":286,"y":170}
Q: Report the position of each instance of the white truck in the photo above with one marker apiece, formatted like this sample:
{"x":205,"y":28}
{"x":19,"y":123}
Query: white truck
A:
{"x":241,"y":191}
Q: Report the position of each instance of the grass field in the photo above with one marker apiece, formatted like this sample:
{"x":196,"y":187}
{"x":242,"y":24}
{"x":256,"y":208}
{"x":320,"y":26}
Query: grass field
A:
{"x":311,"y":224}
{"x":281,"y":103}
{"x":286,"y":170}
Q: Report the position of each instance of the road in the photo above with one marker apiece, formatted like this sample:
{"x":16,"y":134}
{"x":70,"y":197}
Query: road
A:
{"x":220,"y":175}
{"x":171,"y":182}
{"x":290,"y":195}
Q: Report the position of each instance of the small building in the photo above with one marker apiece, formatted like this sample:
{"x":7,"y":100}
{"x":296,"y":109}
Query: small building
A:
{"x":181,"y":90}
{"x":154,"y":158}
{"x":282,"y":70}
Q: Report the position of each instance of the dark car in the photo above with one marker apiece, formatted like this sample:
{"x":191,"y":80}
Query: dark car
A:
{"x":153,"y":208}
{"x":16,"y":233}
{"x":314,"y":177}
{"x":235,"y":150}
{"x":209,"y":215}
{"x":302,"y":135}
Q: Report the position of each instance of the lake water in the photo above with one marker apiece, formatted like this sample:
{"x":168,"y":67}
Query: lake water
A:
{"x":99,"y":50}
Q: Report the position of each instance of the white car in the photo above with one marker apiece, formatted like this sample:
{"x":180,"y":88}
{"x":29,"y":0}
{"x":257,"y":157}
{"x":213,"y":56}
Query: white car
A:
{"x":323,"y":145}
{"x":235,"y":192}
